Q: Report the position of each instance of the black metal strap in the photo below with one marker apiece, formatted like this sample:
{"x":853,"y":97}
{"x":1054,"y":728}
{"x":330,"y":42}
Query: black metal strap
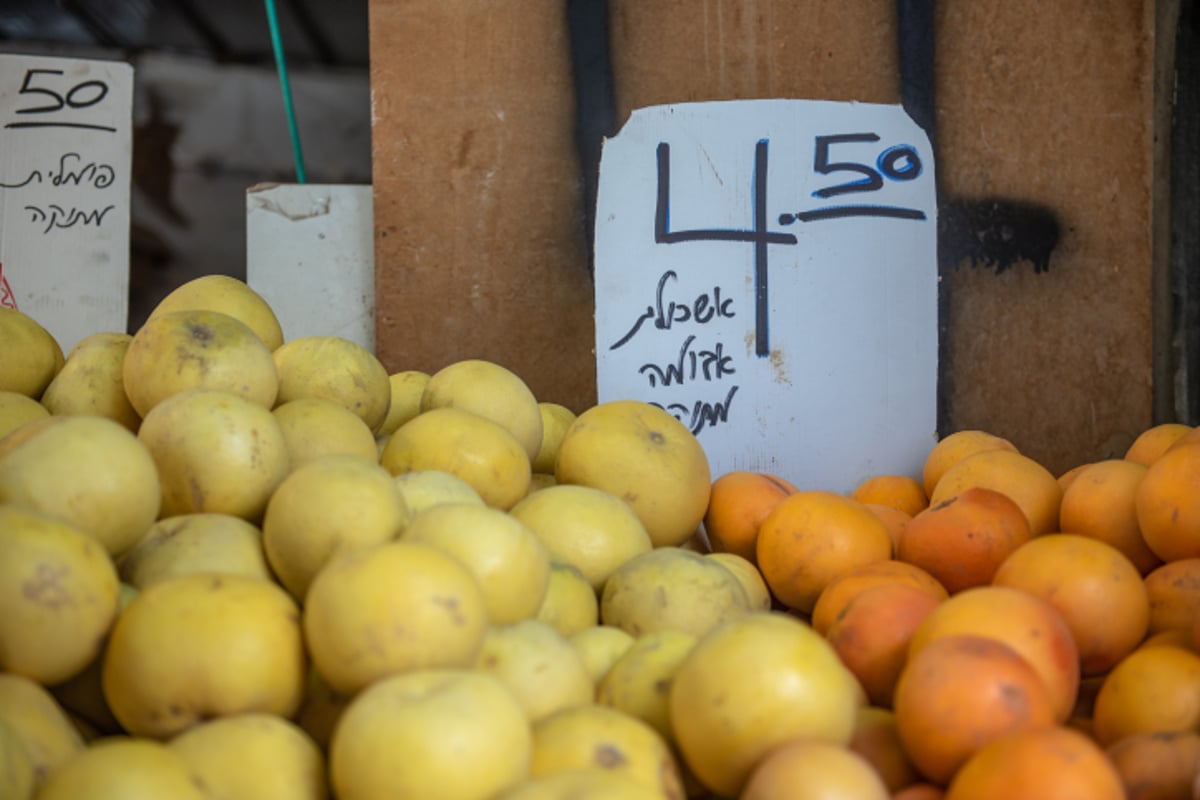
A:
{"x":595,"y":110}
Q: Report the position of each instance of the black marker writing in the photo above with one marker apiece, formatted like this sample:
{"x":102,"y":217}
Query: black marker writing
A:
{"x":759,"y":236}
{"x":49,"y":83}
{"x":701,"y":414}
{"x":703,"y":309}
{"x":69,"y":171}
{"x":34,"y":177}
{"x":55,"y":216}
{"x":690,"y":365}
{"x":897,"y":163}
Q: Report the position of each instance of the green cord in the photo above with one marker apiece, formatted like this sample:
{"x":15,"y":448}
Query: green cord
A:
{"x":289,"y":109}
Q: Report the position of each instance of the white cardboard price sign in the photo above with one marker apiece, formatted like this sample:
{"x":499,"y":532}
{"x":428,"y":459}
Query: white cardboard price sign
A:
{"x":65,"y":155}
{"x":766,"y":271}
{"x":310,"y":254}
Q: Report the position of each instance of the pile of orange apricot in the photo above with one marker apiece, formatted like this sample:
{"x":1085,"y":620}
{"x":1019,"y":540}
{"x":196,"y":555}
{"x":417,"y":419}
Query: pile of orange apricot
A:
{"x":1016,"y":633}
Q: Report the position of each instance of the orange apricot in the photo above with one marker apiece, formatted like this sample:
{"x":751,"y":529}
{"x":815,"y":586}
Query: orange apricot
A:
{"x":1030,"y":485}
{"x":1153,"y":689}
{"x":737,"y":505}
{"x":1168,"y":504}
{"x":839,"y":593}
{"x":1054,"y":761}
{"x":1190,"y":437}
{"x":1151,"y":443}
{"x":898,"y":491}
{"x":1100,"y":503}
{"x":813,"y":537}
{"x":962,"y":539}
{"x":1025,"y":622}
{"x":1093,"y":585}
{"x":1174,"y":593}
{"x":955,"y":447}
{"x":872,"y":633}
{"x":961,"y":692}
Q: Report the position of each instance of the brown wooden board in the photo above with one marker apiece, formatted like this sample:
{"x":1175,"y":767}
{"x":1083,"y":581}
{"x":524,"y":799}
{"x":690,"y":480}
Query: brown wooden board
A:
{"x":480,"y":248}
{"x":1052,"y":103}
{"x":480,"y":251}
{"x":673,"y":51}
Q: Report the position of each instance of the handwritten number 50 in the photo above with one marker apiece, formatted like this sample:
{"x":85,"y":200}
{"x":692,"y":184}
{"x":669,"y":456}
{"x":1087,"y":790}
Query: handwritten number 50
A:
{"x":898,"y":163}
{"x":81,"y":95}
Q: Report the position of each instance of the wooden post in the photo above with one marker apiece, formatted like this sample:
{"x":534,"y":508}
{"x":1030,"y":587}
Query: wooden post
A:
{"x":1053,"y":104}
{"x":480,"y":249}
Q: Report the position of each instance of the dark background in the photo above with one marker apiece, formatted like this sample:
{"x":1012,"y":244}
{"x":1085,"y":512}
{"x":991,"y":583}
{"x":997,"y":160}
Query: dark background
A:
{"x":209,"y":119}
{"x":320,"y":33}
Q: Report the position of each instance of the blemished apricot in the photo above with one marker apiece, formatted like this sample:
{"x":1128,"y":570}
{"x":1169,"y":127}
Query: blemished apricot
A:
{"x":812,"y":538}
{"x":872,"y":633}
{"x":1054,"y":761}
{"x":1029,"y":484}
{"x":1093,"y":585}
{"x":840,"y":592}
{"x":1174,"y":593}
{"x":1025,"y":622}
{"x":963,"y":539}
{"x":1168,"y":504}
{"x":959,"y":693}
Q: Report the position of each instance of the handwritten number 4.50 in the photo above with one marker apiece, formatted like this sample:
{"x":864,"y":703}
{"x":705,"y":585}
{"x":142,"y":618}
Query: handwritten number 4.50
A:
{"x":898,"y":163}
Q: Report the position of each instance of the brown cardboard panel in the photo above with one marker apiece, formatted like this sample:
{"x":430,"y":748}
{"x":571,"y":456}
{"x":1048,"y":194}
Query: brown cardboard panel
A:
{"x":1053,"y":103}
{"x":674,"y":51}
{"x":1049,"y":103}
{"x":480,"y":250}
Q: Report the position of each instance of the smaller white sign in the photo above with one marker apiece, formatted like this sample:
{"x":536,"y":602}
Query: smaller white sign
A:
{"x":310,"y":254}
{"x":65,"y":154}
{"x":766,"y":270}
